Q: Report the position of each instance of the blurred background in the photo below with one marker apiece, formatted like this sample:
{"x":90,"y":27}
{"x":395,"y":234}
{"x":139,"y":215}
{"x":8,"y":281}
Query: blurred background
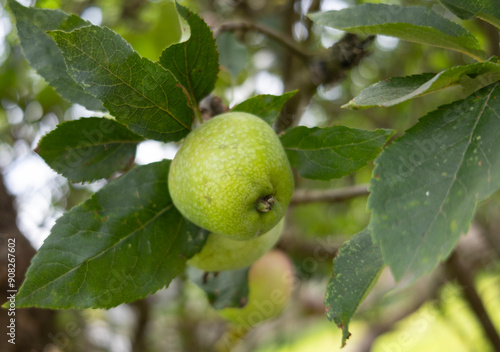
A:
{"x":266,"y":47}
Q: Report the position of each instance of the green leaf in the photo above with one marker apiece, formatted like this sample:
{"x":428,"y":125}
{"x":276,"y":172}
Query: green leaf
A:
{"x":488,"y":10}
{"x":266,"y":106}
{"x":195,"y":62}
{"x":124,"y":243}
{"x":42,"y":52}
{"x":355,"y":270}
{"x":89,"y":149}
{"x":139,"y":93}
{"x":223,"y":289}
{"x":472,"y":84}
{"x":413,"y":23}
{"x":426,"y":185}
{"x":399,"y":89}
{"x":331,"y":152}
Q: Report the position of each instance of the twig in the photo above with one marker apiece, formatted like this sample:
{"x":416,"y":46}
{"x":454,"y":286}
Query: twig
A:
{"x":427,"y":290}
{"x":328,"y":69}
{"x":461,"y":273}
{"x":302,"y":196}
{"x":139,"y":340}
{"x":278,"y":37}
{"x":323,"y":249}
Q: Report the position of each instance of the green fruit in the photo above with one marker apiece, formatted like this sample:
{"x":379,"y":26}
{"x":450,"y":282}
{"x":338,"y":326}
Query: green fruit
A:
{"x":270,"y":284}
{"x":231,"y":176}
{"x":223,"y":253}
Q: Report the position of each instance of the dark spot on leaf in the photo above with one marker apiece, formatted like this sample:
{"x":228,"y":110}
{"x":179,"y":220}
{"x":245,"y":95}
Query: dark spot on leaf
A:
{"x":347,"y":338}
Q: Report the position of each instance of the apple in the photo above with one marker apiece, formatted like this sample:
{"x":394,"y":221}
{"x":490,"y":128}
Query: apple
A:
{"x":223,"y":253}
{"x":270,"y":284}
{"x":232,"y":177}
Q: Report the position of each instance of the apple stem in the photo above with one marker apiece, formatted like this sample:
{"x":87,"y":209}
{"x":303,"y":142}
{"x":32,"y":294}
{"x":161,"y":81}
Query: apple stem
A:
{"x":264,"y":204}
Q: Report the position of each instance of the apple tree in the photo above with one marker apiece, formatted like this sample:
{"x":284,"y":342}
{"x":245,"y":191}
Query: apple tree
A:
{"x":143,"y":228}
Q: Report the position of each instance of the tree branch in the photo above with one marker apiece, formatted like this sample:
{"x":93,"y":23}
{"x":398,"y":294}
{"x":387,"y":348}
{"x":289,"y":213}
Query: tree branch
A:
{"x":278,"y":37}
{"x":425,"y":290}
{"x":323,"y":249}
{"x":304,"y":196}
{"x":328,"y":68}
{"x":463,"y":276}
{"x":143,"y":314}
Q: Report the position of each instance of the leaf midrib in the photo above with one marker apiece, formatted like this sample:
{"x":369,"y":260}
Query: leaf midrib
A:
{"x":85,"y":262}
{"x":125,"y":83}
{"x":99,"y":144}
{"x":452,"y":182}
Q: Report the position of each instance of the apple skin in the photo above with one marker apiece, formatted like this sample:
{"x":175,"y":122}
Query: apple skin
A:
{"x":270,"y":283}
{"x":223,"y":253}
{"x":224,"y":169}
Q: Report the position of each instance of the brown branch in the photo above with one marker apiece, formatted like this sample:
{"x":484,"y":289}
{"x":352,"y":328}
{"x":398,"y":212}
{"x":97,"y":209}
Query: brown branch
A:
{"x":425,"y":290}
{"x":277,"y":36}
{"x":323,"y":249}
{"x":143,"y":314}
{"x":304,"y":196}
{"x":328,"y":68}
{"x":463,"y":276}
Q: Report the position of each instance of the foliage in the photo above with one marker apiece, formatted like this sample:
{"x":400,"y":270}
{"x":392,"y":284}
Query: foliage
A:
{"x":89,"y":149}
{"x":357,"y":258}
{"x":128,"y":240}
{"x":228,"y":288}
{"x":416,"y":24}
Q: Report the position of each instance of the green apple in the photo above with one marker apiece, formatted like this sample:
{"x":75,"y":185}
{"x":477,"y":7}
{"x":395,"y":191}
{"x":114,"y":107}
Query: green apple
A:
{"x":231,"y":176}
{"x":223,"y":253}
{"x":270,"y":284}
